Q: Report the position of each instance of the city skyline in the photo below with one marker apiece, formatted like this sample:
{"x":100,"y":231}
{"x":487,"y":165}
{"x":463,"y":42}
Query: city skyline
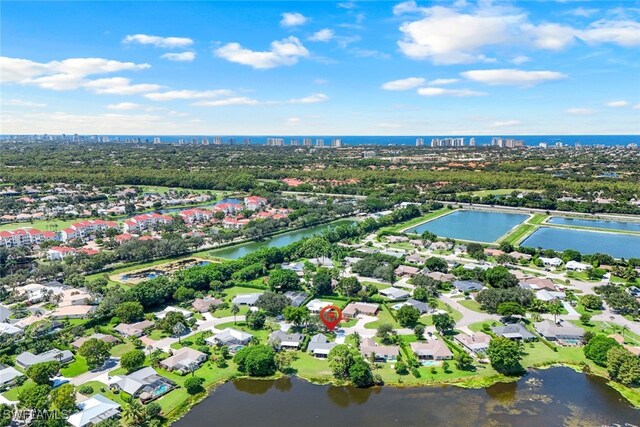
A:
{"x":321,"y":68}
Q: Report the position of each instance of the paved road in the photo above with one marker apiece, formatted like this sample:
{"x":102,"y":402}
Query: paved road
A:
{"x":468,"y":316}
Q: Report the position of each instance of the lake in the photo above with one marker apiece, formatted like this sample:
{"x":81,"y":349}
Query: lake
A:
{"x":596,"y":223}
{"x":552,"y":397}
{"x":586,"y":242}
{"x":477,"y":226}
{"x":284,"y":239}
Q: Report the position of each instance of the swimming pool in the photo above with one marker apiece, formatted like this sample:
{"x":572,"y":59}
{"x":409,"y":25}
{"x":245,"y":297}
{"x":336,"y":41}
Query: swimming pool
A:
{"x":430,"y":363}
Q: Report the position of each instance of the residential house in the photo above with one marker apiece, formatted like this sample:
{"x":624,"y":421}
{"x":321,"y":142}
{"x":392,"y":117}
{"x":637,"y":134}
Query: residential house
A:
{"x":493,"y":252}
{"x":514,"y":331}
{"x":93,"y":411}
{"x":58,"y":253}
{"x":520,"y":255}
{"x":422,"y":307}
{"x":577,"y":266}
{"x":415,"y":259}
{"x":315,"y":305}
{"x":441,"y":277}
{"x":109,"y":339}
{"x":184,"y":360}
{"x":441,"y":246}
{"x":230,"y":337}
{"x":394,"y":293}
{"x":191,"y":216}
{"x":246,"y":299}
{"x":535,"y":283}
{"x":296,"y":297}
{"x":145,"y":222}
{"x":397,"y":239}
{"x":563,"y":334}
{"x":355,"y":308}
{"x":9,"y":329}
{"x":203,"y":305}
{"x":144,"y":383}
{"x":398,"y":253}
{"x":234,"y":223}
{"x":5,"y":313}
{"x":351,"y":260}
{"x":385,"y":353}
{"x":319,"y":346}
{"x":8,"y":375}
{"x":73,"y":312}
{"x":296,"y":267}
{"x":468,"y":285}
{"x":284,"y":340}
{"x":545,"y":295}
{"x":133,"y":329}
{"x":323,"y":261}
{"x":404,"y":270}
{"x":27,"y":359}
{"x":431,"y":350}
{"x":473,"y":266}
{"x":475,"y":343}
{"x":162,"y":314}
{"x":551,"y":262}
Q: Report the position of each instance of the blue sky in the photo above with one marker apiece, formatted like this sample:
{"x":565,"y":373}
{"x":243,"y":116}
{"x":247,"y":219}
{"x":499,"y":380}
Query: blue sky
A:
{"x":304,"y":68}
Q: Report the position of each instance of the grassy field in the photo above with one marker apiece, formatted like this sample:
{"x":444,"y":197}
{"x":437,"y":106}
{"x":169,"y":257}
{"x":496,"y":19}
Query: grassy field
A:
{"x":383,"y":317}
{"x":40,"y":224}
{"x":415,"y":221}
{"x":498,"y":192}
{"x":471,"y":305}
{"x":519,"y":234}
{"x":79,"y":366}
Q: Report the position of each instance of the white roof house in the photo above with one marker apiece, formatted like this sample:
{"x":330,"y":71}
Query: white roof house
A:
{"x":394,"y":293}
{"x":8,"y":374}
{"x":545,"y":295}
{"x":246,"y":299}
{"x":161,"y":314}
{"x":577,"y":266}
{"x":94,"y":410}
{"x":551,"y":262}
{"x":315,"y":305}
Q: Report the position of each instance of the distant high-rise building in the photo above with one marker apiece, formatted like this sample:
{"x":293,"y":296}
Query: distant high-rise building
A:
{"x":205,"y":141}
{"x":319,"y":142}
{"x":336,"y":143}
{"x":246,"y":141}
{"x":217,"y":140}
{"x":307,"y":142}
{"x":156,"y":140}
{"x":293,"y":142}
{"x":182,"y":141}
{"x":506,"y":142}
{"x":275,"y":142}
{"x":232,"y":141}
{"x":472,"y":142}
{"x":447,"y":142}
{"x":419,"y":142}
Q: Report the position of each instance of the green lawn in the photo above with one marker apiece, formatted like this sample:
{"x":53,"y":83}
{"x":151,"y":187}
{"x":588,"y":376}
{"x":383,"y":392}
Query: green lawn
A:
{"x":41,"y":224}
{"x":383,"y":317}
{"x":415,"y":221}
{"x":519,"y":234}
{"x":608,"y":329}
{"x":12,"y":394}
{"x":471,"y":305}
{"x":79,"y":366}
{"x":120,"y":349}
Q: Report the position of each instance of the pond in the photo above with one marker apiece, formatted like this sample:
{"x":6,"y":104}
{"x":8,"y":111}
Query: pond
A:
{"x":595,"y":223}
{"x":552,"y":397}
{"x":284,"y":239}
{"x":586,"y":242}
{"x":477,"y":226}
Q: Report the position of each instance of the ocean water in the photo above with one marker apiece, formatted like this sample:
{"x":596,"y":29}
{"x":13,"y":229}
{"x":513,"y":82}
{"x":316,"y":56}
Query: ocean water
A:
{"x":530,"y":140}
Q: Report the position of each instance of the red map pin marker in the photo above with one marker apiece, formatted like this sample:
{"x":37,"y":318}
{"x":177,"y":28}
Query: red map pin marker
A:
{"x":330,"y":316}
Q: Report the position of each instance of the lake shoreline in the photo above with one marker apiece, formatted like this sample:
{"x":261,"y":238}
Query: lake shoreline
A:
{"x":627,"y":394}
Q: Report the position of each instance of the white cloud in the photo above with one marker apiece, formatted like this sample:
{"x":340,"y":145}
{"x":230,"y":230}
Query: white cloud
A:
{"x":311,"y":99}
{"x":283,"y":52}
{"x":520,"y":59}
{"x":438,"y":91}
{"x":550,"y":36}
{"x":118,"y":86}
{"x":623,"y":33}
{"x":513,"y":77}
{"x":406,"y":7}
{"x":157,"y":41}
{"x":447,"y":37}
{"x":182,"y":56}
{"x":22,"y":103}
{"x":581,"y":11}
{"x":239,"y":100}
{"x":441,"y":82}
{"x":580,"y":111}
{"x":617,"y":104}
{"x":187,"y":94}
{"x":19,"y":70}
{"x":404,"y":84}
{"x":123,"y":106}
{"x":293,"y":19}
{"x":324,"y":35}
{"x":368,"y":53}
{"x":636,"y":107}
{"x":506,"y":123}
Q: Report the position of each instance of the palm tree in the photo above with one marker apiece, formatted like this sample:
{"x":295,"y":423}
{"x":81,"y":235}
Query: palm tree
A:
{"x":133,"y":414}
{"x":234,"y":310}
{"x":555,"y":308}
{"x":357,"y":339}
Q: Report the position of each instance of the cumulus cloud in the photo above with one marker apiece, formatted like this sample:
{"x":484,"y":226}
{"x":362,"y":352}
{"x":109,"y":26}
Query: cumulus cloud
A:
{"x":293,"y":19}
{"x":239,"y":100}
{"x":406,"y":7}
{"x":122,"y":106}
{"x":520,"y":59}
{"x":551,"y":36}
{"x":580,"y":111}
{"x":404,"y":84}
{"x":157,"y":41}
{"x":181,"y":56}
{"x":617,"y":104}
{"x":439,"y":91}
{"x":311,"y":99}
{"x":514,"y":77}
{"x":23,"y":103}
{"x":636,"y":107}
{"x":324,"y":35}
{"x":446,"y":36}
{"x":118,"y":86}
{"x":283,"y":52}
{"x":623,"y":33}
{"x":187,"y":94}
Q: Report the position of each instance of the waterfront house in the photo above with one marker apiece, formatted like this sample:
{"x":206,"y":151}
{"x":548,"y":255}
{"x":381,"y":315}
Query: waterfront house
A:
{"x":319,"y":346}
{"x":284,"y":340}
{"x":431,"y":350}
{"x":184,"y":360}
{"x":475,"y":343}
{"x":563,"y":334}
{"x":384,"y":353}
{"x":93,"y":411}
{"x":514,"y":331}
{"x":144,"y":383}
{"x":551,"y":262}
{"x":577,"y":266}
